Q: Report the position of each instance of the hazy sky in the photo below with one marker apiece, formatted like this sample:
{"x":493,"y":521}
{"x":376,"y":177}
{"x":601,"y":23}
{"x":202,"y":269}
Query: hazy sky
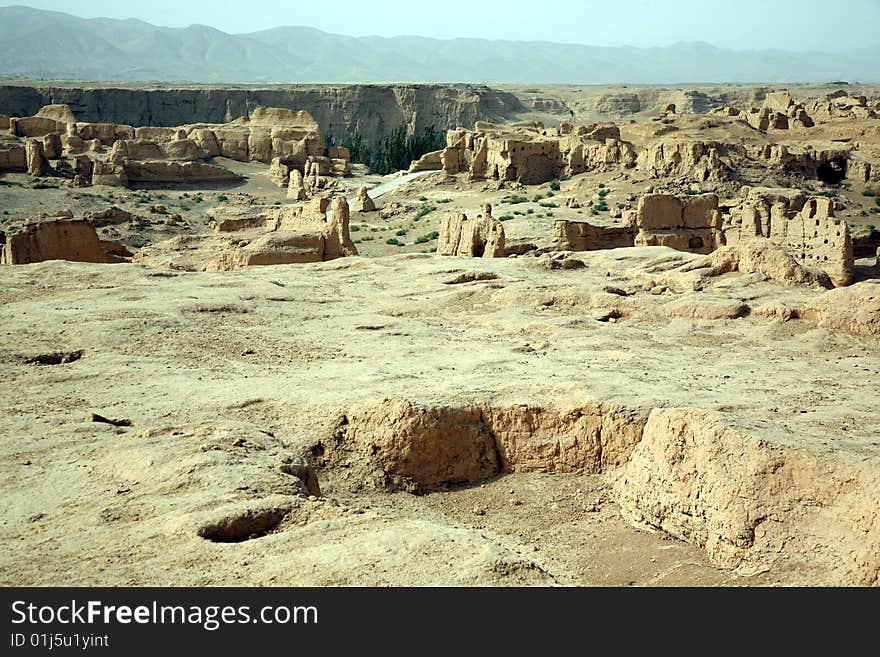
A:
{"x":827,"y":25}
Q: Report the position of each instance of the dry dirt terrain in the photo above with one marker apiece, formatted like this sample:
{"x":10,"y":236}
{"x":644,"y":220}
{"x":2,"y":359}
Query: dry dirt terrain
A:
{"x":227,"y":377}
{"x":652,"y":361}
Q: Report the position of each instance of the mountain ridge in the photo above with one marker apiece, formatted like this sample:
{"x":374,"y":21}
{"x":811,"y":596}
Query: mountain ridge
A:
{"x":49,"y":45}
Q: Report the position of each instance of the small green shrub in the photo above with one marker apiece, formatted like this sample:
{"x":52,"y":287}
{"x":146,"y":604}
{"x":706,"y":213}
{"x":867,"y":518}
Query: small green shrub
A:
{"x":506,"y":217}
{"x":555,"y":186}
{"x":424,"y":211}
{"x":355,"y":228}
{"x":393,"y":242}
{"x":870,"y":192}
{"x":424,"y":239}
{"x":537,"y":198}
{"x":547,"y":204}
{"x":223,"y":198}
{"x":516,"y":200}
{"x":400,"y":233}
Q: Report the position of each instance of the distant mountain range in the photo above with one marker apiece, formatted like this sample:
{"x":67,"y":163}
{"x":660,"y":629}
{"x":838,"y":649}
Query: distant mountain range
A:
{"x":46,"y":45}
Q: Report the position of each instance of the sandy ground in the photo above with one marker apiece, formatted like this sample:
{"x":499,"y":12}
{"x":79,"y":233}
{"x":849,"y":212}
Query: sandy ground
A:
{"x":224,"y":376}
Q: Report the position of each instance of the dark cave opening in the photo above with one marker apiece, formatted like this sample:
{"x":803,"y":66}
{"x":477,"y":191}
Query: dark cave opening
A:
{"x":832,"y":172}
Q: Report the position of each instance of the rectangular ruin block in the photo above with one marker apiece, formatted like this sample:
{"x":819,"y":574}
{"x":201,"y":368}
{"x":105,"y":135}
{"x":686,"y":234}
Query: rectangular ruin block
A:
{"x":35,"y":126}
{"x":701,"y":211}
{"x":818,"y":239}
{"x":63,"y":239}
{"x":282,"y":248}
{"x":583,"y":236}
{"x":660,"y":212}
{"x":12,"y":157}
{"x":688,"y":223}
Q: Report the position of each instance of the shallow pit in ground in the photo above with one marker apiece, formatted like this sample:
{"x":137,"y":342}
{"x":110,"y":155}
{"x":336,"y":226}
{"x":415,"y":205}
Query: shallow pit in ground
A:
{"x":55,"y":358}
{"x":685,"y":472}
{"x":242,"y":526}
{"x":571,"y":527}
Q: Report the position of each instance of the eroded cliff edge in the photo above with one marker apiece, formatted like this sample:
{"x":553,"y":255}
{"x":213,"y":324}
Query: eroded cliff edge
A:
{"x":371,"y":110}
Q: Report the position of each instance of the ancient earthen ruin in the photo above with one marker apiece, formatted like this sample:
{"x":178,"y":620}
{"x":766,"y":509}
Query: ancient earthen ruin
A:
{"x":602,"y":337}
{"x":121,"y":155}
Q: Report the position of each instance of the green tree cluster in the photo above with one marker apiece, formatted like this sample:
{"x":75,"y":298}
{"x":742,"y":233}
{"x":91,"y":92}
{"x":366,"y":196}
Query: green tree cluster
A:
{"x":394,"y":151}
